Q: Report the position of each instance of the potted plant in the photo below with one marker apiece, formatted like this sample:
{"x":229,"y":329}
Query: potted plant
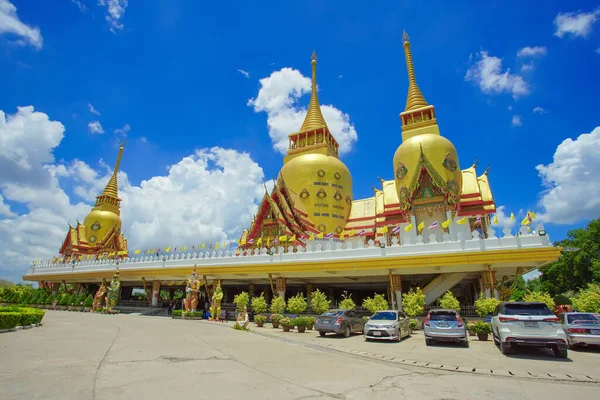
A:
{"x":318,"y":302}
{"x":80,"y":300}
{"x":301,"y":323}
{"x":482,"y":329}
{"x":259,"y":320}
{"x":73,"y":303}
{"x":277,"y":308}
{"x":470,"y":325}
{"x":485,"y":305}
{"x":275,"y":319}
{"x":347,"y":303}
{"x":88,"y":302}
{"x":241,"y":300}
{"x":413,"y":304}
{"x":449,"y":302}
{"x":64,"y":302}
{"x":414,"y":324}
{"x":377,"y":303}
{"x":310,"y":323}
{"x":297,"y":304}
{"x":287,"y":324}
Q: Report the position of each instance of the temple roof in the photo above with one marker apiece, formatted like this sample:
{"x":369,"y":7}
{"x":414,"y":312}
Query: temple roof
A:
{"x":415,"y":98}
{"x":314,"y":117}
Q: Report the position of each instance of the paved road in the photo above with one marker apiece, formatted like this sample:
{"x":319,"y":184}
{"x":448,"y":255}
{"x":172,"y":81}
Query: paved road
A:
{"x":88,"y":356}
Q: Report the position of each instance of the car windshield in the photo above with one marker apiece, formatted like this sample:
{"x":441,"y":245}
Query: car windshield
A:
{"x":442,"y":316}
{"x":384,"y":316}
{"x":526,"y":309}
{"x":332,"y":314}
{"x":583,"y":319}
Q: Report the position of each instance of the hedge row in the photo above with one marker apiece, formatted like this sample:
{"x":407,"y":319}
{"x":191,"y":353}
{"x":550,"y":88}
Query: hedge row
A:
{"x":15,"y":316}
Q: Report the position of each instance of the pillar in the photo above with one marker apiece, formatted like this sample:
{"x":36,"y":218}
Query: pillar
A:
{"x":309,"y":289}
{"x":396,"y":290}
{"x":251,"y":290}
{"x":155,"y":293}
{"x":55,"y":287}
{"x":280,"y":287}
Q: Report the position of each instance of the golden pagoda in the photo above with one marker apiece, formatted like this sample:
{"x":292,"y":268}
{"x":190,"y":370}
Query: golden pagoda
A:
{"x":101,"y":229}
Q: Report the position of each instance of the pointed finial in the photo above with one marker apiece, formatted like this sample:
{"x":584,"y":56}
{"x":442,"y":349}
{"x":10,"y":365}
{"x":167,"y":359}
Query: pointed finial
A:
{"x":415,"y":98}
{"x":314,"y":117}
{"x":476,"y":162}
{"x":380,"y":179}
{"x":405,"y":37}
{"x":265,"y":185}
{"x":111,"y":189}
{"x":374,"y":188}
{"x":487,"y":169}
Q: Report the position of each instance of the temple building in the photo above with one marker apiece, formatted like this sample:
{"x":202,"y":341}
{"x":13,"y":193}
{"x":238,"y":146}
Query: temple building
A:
{"x":100,"y":233}
{"x":429,"y":227}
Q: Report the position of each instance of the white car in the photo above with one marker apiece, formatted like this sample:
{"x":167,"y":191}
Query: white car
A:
{"x":528,"y":324}
{"x":387,"y":325}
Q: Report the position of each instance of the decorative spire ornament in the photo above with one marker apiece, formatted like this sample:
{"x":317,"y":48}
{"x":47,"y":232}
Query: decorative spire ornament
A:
{"x":314,"y":117}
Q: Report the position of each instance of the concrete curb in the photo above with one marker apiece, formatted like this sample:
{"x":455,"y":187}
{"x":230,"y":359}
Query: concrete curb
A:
{"x":18,"y":328}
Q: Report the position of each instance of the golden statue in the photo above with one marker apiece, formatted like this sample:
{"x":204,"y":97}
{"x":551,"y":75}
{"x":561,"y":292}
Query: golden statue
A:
{"x":215,"y":308}
{"x":191,"y":292}
{"x":113,"y":291}
{"x":99,"y":296}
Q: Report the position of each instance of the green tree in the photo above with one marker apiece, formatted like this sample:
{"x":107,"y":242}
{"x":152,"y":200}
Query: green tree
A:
{"x":542,"y":297}
{"x":575,"y":270}
{"x":297,"y":304}
{"x":319,"y":302}
{"x":259,"y":304}
{"x":449,"y":302}
{"x":278,"y":305}
{"x":347,"y":303}
{"x":241,"y":300}
{"x":377,"y":303}
{"x":413,"y":302}
{"x":485,"y":306}
{"x":588,"y":300}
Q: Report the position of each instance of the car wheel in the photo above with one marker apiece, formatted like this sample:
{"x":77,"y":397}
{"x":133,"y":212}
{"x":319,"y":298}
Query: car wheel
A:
{"x":347,"y":332}
{"x":398,"y":335}
{"x":427,"y":342}
{"x":560,"y":353}
{"x":322,"y":333}
{"x":410,"y":332}
{"x":505,"y":348}
{"x":496,"y":340}
{"x":465,"y":343}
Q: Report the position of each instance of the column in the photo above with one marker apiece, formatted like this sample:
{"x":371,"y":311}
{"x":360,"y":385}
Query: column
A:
{"x":251,"y":290}
{"x":155,"y":293}
{"x":396,"y":290}
{"x":55,"y":287}
{"x":280,"y":287}
{"x":309,"y":289}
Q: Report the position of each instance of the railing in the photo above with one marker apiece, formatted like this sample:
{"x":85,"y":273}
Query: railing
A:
{"x":313,"y":251}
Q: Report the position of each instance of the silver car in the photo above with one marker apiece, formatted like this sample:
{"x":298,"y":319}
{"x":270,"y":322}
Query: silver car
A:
{"x":445,"y":326}
{"x":581,"y":328}
{"x":387,"y":325}
{"x":340,"y":322}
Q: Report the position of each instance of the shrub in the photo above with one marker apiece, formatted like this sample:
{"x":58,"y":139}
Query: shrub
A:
{"x":81,"y":299}
{"x":15,"y":316}
{"x":259,"y":304}
{"x":588,"y":300}
{"x":89,"y":301}
{"x":542,"y":297}
{"x":177,"y":313}
{"x":50,"y":299}
{"x":275,"y":318}
{"x":64,"y":300}
{"x":302,"y":321}
{"x":448,"y":301}
{"x":297,"y":304}
{"x":347,"y":303}
{"x":278,"y":305}
{"x":414,"y":323}
{"x":239,"y":327}
{"x":319,"y":302}
{"x":42,"y":298}
{"x":260,"y":318}
{"x":413,"y":302}
{"x":9,"y":320}
{"x":562,"y":300}
{"x":481,"y":327}
{"x":287,"y":322}
{"x":485,"y":306}
{"x":73,"y":300}
{"x":241,"y":300}
{"x":377,"y":303}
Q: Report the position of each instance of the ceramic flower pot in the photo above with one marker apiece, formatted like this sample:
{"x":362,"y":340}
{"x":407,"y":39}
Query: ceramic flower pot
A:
{"x":260,"y":324}
{"x":286,"y":328}
{"x":275,"y":324}
{"x":301,"y":329}
{"x":482,"y":336}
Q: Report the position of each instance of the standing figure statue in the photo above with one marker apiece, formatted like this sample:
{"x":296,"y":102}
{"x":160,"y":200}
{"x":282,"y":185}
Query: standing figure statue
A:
{"x":113,"y":291}
{"x":190,"y":303}
{"x":99,"y":296}
{"x":242,"y":319}
{"x":215,"y":308}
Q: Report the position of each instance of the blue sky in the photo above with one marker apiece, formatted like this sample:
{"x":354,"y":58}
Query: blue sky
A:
{"x":176,"y":77}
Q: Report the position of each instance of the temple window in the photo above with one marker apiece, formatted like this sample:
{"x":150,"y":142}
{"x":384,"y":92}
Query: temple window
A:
{"x":318,"y":183}
{"x":317,"y":214}
{"x":325,"y":215}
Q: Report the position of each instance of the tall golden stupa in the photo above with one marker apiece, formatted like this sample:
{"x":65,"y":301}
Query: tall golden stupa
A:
{"x":101,"y":228}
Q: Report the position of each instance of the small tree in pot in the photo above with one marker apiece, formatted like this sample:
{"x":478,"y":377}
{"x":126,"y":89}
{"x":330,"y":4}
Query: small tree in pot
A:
{"x":287,"y":324}
{"x":413,"y":304}
{"x":485,"y":306}
{"x":318,"y":302}
{"x":259,"y":306}
{"x":482,"y":329}
{"x":377,"y":303}
{"x":297,"y":305}
{"x":277,"y":308}
{"x":88,"y":302}
{"x":347,"y":303}
{"x":449,"y":302}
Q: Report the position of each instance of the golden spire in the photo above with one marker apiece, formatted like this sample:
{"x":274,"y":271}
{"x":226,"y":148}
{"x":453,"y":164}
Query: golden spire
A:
{"x":415,"y":98}
{"x":111,"y":189}
{"x":314,"y":118}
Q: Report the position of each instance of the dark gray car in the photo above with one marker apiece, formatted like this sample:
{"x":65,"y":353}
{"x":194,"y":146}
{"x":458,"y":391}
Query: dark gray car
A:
{"x":340,"y":322}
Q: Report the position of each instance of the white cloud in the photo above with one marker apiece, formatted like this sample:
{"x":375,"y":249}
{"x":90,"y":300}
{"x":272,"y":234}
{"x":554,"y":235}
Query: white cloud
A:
{"x":340,"y":76}
{"x":278,"y":97}
{"x":487,"y":73}
{"x":510,"y":108}
{"x":575,"y":23}
{"x":540,"y":111}
{"x":245,"y":73}
{"x":11,"y":24}
{"x":504,"y":220}
{"x":205,"y":197}
{"x":92,"y":109}
{"x":516,"y":120}
{"x":535,"y":51}
{"x":572,"y":181}
{"x":527,"y":67}
{"x":80,"y":5}
{"x":95,"y":127}
{"x":122,"y":132}
{"x":115,"y":9}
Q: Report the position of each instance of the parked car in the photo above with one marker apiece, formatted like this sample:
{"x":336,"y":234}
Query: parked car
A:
{"x":581,"y":328}
{"x":445,"y":326}
{"x":340,"y":322}
{"x":528,"y":324}
{"x":387,"y":325}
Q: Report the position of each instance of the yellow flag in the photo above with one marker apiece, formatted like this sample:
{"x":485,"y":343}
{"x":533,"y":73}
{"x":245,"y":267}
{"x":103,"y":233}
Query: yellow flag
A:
{"x":312,"y":236}
{"x":217,"y":246}
{"x":242,"y":242}
{"x":446,"y":224}
{"x":408,"y":227}
{"x":168,"y":249}
{"x":351,"y":233}
{"x":421,"y":226}
{"x":293,"y":238}
{"x":512,"y":216}
{"x":320,"y":235}
{"x":136,"y":252}
{"x":184,"y":248}
{"x":259,"y":241}
{"x":532,"y":215}
{"x":283,"y":238}
{"x":342,"y":235}
{"x":384,"y":229}
{"x":153,"y":250}
{"x":462,"y":221}
{"x":112,"y":253}
{"x":203,"y":245}
{"x":495,"y":220}
{"x":122,"y":253}
{"x":89,"y":255}
{"x":268,"y":242}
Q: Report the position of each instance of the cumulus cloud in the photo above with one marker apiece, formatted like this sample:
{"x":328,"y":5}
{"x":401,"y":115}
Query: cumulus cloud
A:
{"x":535,"y":51}
{"x":115,"y":9}
{"x":575,"y":23}
{"x":122,"y":132}
{"x":95,"y":127}
{"x":80,"y":5}
{"x":487,"y":73}
{"x":504,"y":220}
{"x":279,"y":95}
{"x":540,"y":111}
{"x":11,"y":24}
{"x":205,"y":197}
{"x":527,"y":67}
{"x":245,"y":73}
{"x":572,"y":183}
{"x":516,"y":120}
{"x":92,"y":109}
